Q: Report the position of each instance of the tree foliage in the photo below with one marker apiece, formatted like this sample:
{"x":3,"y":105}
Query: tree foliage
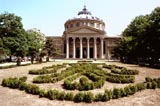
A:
{"x":141,"y":39}
{"x":15,"y":41}
{"x":12,"y":35}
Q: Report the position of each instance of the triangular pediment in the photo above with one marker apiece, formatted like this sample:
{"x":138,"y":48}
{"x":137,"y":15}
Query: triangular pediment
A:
{"x":83,"y":30}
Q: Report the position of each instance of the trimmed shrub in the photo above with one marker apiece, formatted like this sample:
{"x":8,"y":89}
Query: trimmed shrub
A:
{"x":141,"y":86}
{"x":42,"y":93}
{"x":22,"y":86}
{"x":23,"y":79}
{"x":43,"y":79}
{"x":123,"y":93}
{"x":69,"y":96}
{"x":116,"y":93}
{"x":154,"y":85}
{"x":98,"y":97}
{"x":109,"y":93}
{"x":79,"y":97}
{"x":88,"y":97}
{"x":148,"y":79}
{"x":133,"y":89}
{"x":127,"y":91}
{"x":61,"y":95}
{"x":52,"y":94}
{"x":102,"y":97}
{"x":32,"y":89}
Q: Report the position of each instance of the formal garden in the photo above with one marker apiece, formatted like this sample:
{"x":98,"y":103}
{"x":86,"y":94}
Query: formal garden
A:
{"x":79,"y":80}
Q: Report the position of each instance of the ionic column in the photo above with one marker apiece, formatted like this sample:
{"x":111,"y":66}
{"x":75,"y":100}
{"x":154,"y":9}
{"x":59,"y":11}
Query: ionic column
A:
{"x":88,"y":49}
{"x":67,"y":48}
{"x":101,"y":48}
{"x":95,"y":48}
{"x":81,"y":48}
{"x":74,"y":48}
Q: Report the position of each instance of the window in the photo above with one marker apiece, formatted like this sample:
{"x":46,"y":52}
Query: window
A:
{"x":92,"y":24}
{"x":71,"y":26}
{"x":98,"y":26}
{"x":77,"y":24}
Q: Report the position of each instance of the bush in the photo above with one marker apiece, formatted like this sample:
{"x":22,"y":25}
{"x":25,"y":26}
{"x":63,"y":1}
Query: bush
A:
{"x":148,"y":79}
{"x":79,"y":97}
{"x":43,"y":79}
{"x":102,"y":97}
{"x":109,"y":93}
{"x":23,"y":79}
{"x":116,"y":93}
{"x":52,"y":94}
{"x":98,"y":97}
{"x":22,"y":86}
{"x":127,"y":91}
{"x":88,"y":97}
{"x":133,"y":89}
{"x":42,"y":93}
{"x":32,"y":89}
{"x":141,"y":86}
{"x":61,"y":95}
{"x":69,"y":96}
{"x":154,"y":85}
{"x":11,"y":82}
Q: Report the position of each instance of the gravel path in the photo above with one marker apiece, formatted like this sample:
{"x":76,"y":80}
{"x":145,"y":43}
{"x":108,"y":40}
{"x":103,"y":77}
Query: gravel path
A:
{"x":13,"y":97}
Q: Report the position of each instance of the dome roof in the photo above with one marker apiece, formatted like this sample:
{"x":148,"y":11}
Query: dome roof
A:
{"x":85,"y":14}
{"x":84,"y":11}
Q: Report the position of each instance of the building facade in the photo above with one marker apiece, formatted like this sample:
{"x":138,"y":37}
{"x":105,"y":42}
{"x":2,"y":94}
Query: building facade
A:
{"x":85,"y":38}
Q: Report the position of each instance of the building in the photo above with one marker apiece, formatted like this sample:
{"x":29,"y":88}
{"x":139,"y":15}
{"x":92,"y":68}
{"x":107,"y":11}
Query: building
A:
{"x":85,"y":38}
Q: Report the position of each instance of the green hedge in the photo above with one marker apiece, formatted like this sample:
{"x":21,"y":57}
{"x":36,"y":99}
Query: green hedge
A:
{"x":88,"y":97}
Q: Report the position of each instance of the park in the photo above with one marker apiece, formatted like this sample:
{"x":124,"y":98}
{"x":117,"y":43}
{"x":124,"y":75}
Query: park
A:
{"x":83,"y":67}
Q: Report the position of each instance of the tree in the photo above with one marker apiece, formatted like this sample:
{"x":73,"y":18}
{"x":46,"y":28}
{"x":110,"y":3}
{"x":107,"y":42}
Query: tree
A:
{"x":50,"y":48}
{"x":140,"y":40}
{"x":12,"y":35}
{"x":36,"y":41}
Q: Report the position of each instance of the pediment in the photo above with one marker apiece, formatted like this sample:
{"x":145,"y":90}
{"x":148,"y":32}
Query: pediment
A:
{"x":85,"y":30}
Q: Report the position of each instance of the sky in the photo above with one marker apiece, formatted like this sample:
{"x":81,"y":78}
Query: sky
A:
{"x":49,"y":16}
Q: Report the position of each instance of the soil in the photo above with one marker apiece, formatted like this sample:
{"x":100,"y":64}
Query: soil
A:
{"x":14,"y":97}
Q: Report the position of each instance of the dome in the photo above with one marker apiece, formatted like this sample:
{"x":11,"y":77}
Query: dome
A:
{"x":85,"y":14}
{"x":84,"y":18}
{"x":84,"y":11}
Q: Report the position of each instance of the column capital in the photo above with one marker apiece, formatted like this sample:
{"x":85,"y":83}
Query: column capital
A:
{"x":88,"y":38}
{"x":80,"y":38}
{"x":95,"y":38}
{"x":102,"y":38}
{"x":73,"y":38}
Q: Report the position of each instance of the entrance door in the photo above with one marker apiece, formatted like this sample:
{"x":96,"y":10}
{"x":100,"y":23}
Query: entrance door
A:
{"x":91,"y":52}
{"x":77,"y":52}
{"x":84,"y":53}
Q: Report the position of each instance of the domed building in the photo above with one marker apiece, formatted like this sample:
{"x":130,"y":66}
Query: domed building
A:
{"x":85,"y":38}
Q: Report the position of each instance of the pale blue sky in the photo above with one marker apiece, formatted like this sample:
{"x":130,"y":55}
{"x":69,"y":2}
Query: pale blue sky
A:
{"x":50,"y":15}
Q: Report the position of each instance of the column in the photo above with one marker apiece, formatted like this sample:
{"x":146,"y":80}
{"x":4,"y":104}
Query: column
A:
{"x":101,"y":48}
{"x":74,"y":48}
{"x":95,"y":48}
{"x":88,"y":49}
{"x":67,"y":48}
{"x":81,"y":48}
